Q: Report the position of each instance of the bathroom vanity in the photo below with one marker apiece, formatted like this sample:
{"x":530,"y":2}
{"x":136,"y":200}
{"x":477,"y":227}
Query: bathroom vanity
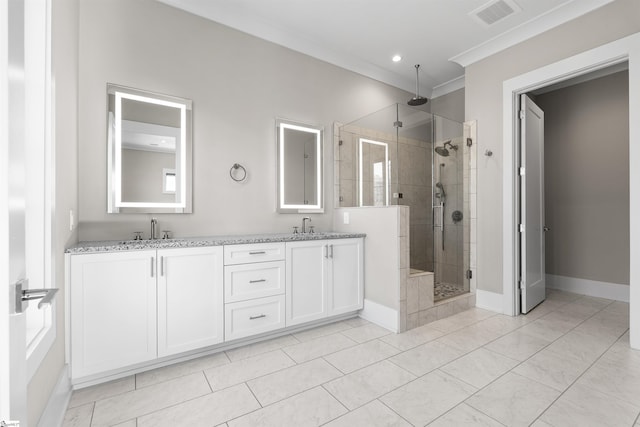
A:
{"x":135,"y":305}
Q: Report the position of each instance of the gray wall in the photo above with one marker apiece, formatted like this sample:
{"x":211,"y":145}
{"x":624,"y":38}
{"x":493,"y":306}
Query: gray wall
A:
{"x":65,"y":80}
{"x":483,"y":102}
{"x":450,"y":105}
{"x":586,"y":162}
{"x":239,"y":85}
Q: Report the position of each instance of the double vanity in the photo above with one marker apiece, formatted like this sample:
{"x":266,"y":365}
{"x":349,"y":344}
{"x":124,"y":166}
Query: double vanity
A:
{"x":135,"y":305}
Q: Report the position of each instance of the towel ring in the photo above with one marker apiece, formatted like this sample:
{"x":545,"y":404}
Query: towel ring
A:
{"x":237,"y":166}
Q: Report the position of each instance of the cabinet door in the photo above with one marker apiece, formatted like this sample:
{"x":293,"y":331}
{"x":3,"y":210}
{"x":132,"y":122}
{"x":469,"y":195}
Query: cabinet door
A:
{"x":113,"y":311}
{"x":306,"y":281}
{"x":190,"y":304}
{"x":346,"y":283}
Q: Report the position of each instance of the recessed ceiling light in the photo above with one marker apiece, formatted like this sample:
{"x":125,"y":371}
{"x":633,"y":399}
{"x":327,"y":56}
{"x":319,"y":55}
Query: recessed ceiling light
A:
{"x":396,"y":58}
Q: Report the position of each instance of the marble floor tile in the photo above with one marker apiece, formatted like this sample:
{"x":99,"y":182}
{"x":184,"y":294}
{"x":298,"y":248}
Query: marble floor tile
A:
{"x":613,"y":379}
{"x":366,"y":332}
{"x":206,"y":411}
{"x":102,"y":391}
{"x":282,"y":384}
{"x":360,"y":387}
{"x":479,"y":367}
{"x":155,"y":376}
{"x":354,"y":358}
{"x":312,"y":408}
{"x":250,"y":350}
{"x":464,"y":415}
{"x":356,"y":321}
{"x":503,"y":324}
{"x":545,"y":329}
{"x":469,"y":338}
{"x":412,"y":338}
{"x":247,"y":369}
{"x":318,"y":347}
{"x":513,"y":400}
{"x":582,"y":406}
{"x":580,"y":346}
{"x":132,"y":404}
{"x":518,"y":345}
{"x":550,"y":369}
{"x":321,"y":331}
{"x":428,"y":397}
{"x":373,"y":414}
{"x":427,"y":357}
{"x":79,"y":416}
{"x":130,"y":423}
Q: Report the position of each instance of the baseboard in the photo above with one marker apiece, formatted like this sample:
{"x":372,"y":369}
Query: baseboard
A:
{"x":53,"y":414}
{"x":592,"y":288}
{"x":489,"y":300}
{"x":380,"y":315}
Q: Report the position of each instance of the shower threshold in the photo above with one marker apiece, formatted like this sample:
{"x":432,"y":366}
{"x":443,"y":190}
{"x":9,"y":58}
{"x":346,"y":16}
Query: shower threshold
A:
{"x":443,"y":291}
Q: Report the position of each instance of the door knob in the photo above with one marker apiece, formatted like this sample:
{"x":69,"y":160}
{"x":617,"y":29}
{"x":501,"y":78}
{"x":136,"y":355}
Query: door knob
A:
{"x":545,"y":229}
{"x":22,"y":295}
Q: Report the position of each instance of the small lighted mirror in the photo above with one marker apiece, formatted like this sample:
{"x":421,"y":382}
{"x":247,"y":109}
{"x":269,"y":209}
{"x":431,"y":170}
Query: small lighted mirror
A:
{"x":374,"y":173}
{"x":299,"y":167}
{"x":149,"y":140}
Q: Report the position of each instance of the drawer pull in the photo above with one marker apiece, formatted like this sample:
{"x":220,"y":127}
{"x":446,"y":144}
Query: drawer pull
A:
{"x":260,"y":316}
{"x":257,"y":281}
{"x":257,"y":253}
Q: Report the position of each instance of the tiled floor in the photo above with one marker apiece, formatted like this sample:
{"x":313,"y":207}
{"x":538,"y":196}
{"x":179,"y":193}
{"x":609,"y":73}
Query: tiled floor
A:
{"x":567,"y":363}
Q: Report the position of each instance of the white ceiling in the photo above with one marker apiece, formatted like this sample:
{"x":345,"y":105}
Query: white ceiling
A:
{"x":362,"y":35}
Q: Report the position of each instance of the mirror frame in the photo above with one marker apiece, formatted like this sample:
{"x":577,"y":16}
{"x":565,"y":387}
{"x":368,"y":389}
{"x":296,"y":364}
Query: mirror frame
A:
{"x":318,"y":131}
{"x":115,"y":203}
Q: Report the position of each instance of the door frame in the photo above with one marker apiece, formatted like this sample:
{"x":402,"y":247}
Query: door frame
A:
{"x":625,"y":49}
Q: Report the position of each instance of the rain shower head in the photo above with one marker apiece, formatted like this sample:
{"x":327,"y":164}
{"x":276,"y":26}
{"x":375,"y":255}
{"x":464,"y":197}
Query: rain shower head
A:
{"x":417,"y":100}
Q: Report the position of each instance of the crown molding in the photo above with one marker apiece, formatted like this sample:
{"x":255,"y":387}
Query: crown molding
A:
{"x":553,"y":18}
{"x":448,"y":87}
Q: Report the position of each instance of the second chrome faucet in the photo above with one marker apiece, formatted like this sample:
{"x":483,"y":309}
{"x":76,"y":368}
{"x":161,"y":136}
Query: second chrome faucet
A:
{"x":304,"y":223}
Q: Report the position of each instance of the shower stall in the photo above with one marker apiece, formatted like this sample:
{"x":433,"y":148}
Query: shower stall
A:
{"x":405,"y":156}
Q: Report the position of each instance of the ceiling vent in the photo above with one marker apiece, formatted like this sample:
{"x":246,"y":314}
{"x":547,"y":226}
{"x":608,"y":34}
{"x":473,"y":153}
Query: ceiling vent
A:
{"x":495,"y":11}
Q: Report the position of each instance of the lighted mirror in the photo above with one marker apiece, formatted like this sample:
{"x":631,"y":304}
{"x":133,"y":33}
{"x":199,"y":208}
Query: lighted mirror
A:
{"x":149,"y":151}
{"x":299,"y":167}
{"x":373,"y":176}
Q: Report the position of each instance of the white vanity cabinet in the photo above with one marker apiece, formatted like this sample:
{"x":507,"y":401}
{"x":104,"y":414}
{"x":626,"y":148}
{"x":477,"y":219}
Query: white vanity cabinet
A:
{"x":254,"y":289}
{"x":113,"y":311}
{"x":190,"y":299}
{"x":135,"y":306}
{"x":324,"y":278}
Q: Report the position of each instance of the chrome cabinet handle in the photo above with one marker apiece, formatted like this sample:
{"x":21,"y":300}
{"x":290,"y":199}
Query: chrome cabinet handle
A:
{"x":260,"y":316}
{"x":152,"y":265}
{"x":162,"y":266}
{"x":257,"y":253}
{"x":331,"y":256}
{"x":326,"y":251}
{"x":257,"y":281}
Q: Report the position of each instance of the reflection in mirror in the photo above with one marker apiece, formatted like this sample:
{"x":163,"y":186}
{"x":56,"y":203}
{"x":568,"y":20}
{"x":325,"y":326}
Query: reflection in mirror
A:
{"x":149,"y":138}
{"x":299,"y":167}
{"x":374,"y":173}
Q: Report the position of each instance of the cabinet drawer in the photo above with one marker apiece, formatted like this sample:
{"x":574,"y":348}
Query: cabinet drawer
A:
{"x":248,"y":281}
{"x":246,"y":318}
{"x":259,"y":252}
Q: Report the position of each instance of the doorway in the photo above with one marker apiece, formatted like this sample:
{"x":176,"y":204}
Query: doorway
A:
{"x":625,"y":49}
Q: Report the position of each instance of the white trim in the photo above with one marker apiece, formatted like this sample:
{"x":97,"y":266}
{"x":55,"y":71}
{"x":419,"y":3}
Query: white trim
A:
{"x":627,"y":48}
{"x":592,"y":288}
{"x":448,"y":87}
{"x":380,"y":314}
{"x":53,"y":414}
{"x":489,"y":300}
{"x":538,"y":25}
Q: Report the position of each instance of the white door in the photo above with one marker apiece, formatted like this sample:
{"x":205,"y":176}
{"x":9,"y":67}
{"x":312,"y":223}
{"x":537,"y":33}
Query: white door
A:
{"x":532,"y":269}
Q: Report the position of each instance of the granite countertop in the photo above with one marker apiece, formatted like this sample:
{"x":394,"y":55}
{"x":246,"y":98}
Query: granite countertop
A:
{"x":191,"y":242}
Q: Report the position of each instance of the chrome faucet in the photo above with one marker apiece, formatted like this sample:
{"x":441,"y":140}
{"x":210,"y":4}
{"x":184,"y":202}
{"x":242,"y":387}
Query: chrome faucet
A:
{"x":304,"y":223}
{"x":154,"y":222}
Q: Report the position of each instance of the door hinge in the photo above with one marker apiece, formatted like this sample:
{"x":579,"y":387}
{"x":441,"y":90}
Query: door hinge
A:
{"x":521,"y":114}
{"x":521,"y":171}
{"x":340,"y":142}
{"x":469,"y":274}
{"x":521,"y":228}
